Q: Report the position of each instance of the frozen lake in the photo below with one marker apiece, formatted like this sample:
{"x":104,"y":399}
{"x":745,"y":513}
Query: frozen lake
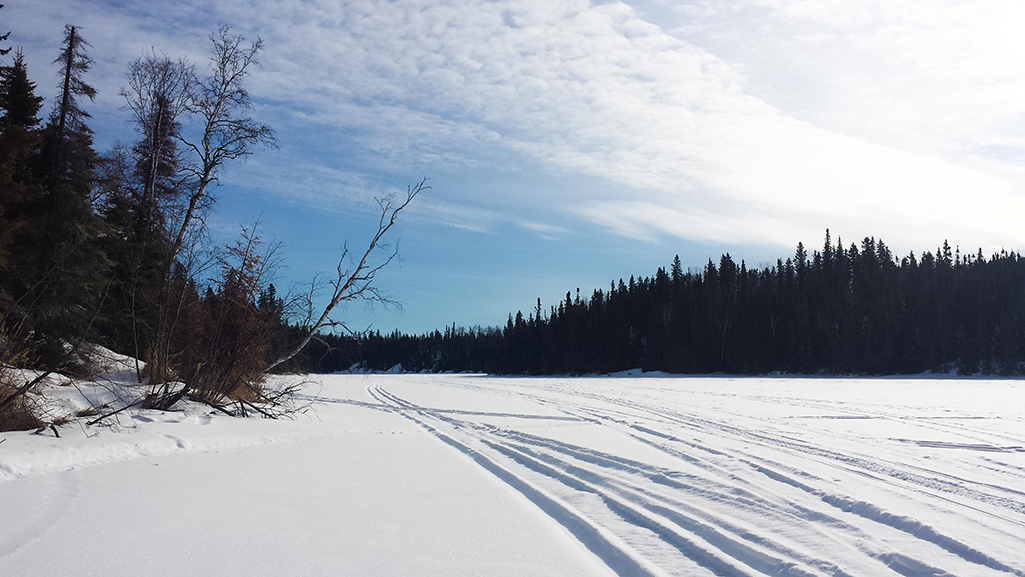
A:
{"x":469,"y":475}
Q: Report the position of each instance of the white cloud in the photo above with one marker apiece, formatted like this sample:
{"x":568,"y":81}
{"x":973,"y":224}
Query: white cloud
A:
{"x":934,"y":77}
{"x":753,"y":121}
{"x":597,"y":90}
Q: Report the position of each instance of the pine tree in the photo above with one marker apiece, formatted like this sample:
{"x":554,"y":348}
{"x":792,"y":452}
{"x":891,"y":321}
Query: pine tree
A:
{"x":68,"y":118}
{"x":17,"y":96}
{"x":55,"y":268}
{"x":19,"y":146}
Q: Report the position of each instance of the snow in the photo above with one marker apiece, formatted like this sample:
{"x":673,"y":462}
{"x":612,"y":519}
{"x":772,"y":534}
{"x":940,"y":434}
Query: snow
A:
{"x":472,"y":475}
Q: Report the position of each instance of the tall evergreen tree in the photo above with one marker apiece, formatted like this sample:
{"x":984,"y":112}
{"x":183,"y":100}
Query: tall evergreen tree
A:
{"x":19,"y":146}
{"x":68,"y":118}
{"x":17,"y":96}
{"x":55,"y":268}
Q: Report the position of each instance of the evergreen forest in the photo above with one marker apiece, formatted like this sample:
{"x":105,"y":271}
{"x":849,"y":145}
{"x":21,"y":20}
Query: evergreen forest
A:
{"x":839,"y":310}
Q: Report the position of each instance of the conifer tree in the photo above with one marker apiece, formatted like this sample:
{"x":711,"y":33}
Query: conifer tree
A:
{"x":68,"y":118}
{"x":676,"y":271}
{"x":55,"y":268}
{"x":19,"y":145}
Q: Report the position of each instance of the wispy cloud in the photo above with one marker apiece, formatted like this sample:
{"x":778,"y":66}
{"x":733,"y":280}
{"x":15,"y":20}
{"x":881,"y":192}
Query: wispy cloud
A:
{"x":748,"y":121}
{"x":595,"y":89}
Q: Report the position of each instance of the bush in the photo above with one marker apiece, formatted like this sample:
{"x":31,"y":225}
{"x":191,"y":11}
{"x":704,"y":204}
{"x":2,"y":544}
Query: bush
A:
{"x":18,"y":415}
{"x":219,"y":343}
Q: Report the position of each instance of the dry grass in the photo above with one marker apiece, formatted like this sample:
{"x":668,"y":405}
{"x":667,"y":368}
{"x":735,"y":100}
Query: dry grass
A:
{"x":17,"y":416}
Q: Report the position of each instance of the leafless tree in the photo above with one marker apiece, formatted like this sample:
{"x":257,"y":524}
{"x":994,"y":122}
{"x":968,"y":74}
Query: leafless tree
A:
{"x":157,"y":92}
{"x":355,"y":278}
{"x":221,"y":102}
{"x":207,"y":118}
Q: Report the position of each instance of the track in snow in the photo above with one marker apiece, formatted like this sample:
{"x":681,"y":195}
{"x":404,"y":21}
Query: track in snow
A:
{"x":657,"y":479}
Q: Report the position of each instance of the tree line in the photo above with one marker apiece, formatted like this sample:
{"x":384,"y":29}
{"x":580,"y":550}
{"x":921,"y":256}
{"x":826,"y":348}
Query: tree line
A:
{"x":839,"y":310}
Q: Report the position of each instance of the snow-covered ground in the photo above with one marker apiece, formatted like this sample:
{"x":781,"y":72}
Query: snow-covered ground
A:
{"x":467,"y":475}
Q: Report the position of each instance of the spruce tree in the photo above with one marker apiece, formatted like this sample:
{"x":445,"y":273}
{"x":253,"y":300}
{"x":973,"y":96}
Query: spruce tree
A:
{"x":19,"y":147}
{"x":56,"y":270}
{"x":68,"y":117}
{"x":17,"y":96}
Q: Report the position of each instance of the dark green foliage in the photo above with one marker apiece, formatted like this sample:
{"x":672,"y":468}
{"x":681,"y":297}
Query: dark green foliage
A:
{"x":839,"y":311}
{"x":17,"y":96}
{"x":19,"y":147}
{"x":53,"y":271}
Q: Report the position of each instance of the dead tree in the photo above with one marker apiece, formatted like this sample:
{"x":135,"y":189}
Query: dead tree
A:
{"x":356,"y":281}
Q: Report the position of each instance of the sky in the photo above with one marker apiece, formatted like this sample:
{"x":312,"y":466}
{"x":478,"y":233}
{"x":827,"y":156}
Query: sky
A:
{"x":568,"y":143}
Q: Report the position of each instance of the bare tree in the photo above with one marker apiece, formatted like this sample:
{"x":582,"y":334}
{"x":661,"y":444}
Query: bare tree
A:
{"x":355,"y":278}
{"x":222,"y":104}
{"x":207,"y":118}
{"x":157,"y":92}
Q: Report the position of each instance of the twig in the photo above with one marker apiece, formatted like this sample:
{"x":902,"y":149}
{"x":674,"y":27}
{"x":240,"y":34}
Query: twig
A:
{"x":111,"y":414}
{"x":222,"y":409}
{"x":258,"y":409}
{"x":24,"y":388}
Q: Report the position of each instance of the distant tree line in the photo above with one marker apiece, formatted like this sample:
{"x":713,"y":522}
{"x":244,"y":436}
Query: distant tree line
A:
{"x":839,"y":310}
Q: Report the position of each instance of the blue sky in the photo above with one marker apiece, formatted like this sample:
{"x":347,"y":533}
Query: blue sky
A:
{"x":569,"y":142}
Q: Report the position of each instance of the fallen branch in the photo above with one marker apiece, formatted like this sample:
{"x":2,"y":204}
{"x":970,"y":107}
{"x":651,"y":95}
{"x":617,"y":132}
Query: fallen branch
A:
{"x":222,"y":409}
{"x":112,"y":413}
{"x":257,"y":409}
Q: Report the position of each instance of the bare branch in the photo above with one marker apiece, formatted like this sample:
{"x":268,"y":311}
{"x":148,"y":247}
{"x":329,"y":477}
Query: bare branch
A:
{"x":357,"y":282}
{"x":221,"y":102}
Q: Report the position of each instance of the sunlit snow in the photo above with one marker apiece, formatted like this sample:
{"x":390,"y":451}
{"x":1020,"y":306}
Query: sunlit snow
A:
{"x":472,"y":475}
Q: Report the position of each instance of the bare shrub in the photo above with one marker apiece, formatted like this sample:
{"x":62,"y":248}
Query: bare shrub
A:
{"x":16,"y":413}
{"x":221,"y":335}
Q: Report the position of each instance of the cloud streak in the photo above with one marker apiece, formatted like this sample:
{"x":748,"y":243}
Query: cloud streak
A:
{"x":695,"y":128}
{"x":595,"y":89}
